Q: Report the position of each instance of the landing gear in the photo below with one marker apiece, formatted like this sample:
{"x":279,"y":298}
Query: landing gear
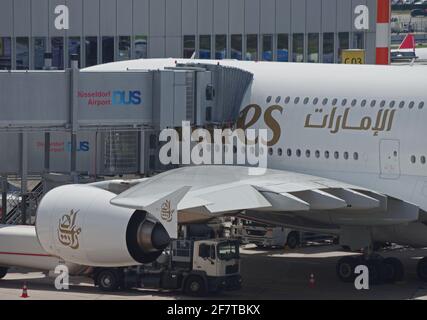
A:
{"x":388,"y":270}
{"x":293,"y":240}
{"x":422,"y":269}
{"x":3,"y":272}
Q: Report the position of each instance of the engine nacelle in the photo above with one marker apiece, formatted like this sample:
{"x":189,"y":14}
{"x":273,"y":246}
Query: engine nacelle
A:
{"x":78,"y":224}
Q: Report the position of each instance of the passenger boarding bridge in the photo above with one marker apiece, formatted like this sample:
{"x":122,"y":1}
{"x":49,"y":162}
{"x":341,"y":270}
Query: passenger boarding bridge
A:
{"x":87,"y":125}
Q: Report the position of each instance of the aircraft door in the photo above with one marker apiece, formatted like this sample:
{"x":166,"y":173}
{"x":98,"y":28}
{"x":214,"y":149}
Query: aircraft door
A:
{"x":390,"y":159}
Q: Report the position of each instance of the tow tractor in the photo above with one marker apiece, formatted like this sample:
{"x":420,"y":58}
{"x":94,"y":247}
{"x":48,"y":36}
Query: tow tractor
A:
{"x":196,"y":268}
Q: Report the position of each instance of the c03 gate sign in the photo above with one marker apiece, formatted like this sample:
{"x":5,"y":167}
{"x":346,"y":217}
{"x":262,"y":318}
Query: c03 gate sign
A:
{"x":353,"y":56}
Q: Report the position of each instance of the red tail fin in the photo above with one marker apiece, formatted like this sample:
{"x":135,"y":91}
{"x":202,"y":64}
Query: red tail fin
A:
{"x":408,"y":42}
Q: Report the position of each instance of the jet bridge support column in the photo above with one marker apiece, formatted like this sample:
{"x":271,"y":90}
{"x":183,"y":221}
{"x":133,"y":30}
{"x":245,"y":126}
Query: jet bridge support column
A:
{"x":24,"y":174}
{"x":4,"y":199}
{"x":74,"y":73}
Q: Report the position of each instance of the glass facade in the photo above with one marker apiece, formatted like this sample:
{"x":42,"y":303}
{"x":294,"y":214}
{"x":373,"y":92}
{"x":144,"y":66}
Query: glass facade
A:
{"x":58,"y":52}
{"x":221,"y":46}
{"x":205,"y":47}
{"x":343,"y":43}
{"x":328,"y":47}
{"x":107,"y":49}
{"x":236,"y":46}
{"x":22,"y":53}
{"x":298,"y":47}
{"x":251,"y":47}
{"x":91,"y":55}
{"x":5,"y":53}
{"x":283,"y":47}
{"x":359,"y":40}
{"x":124,"y":48}
{"x":189,"y":46}
{"x":313,"y":48}
{"x":140,"y":47}
{"x":267,"y":47}
{"x":39,"y":50}
{"x":74,"y":45}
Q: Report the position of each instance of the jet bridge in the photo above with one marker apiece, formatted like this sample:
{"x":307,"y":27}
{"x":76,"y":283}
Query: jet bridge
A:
{"x":92,"y":124}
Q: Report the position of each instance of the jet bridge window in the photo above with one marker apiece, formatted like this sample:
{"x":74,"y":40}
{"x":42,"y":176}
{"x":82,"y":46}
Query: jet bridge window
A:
{"x":267,"y":47}
{"x":220,"y":47}
{"x":58,"y":52}
{"x":91,"y":45}
{"x":210,"y":92}
{"x":252,"y":47}
{"x":107,"y":49}
{"x":236,"y":46}
{"x":283,"y":47}
{"x":39,"y":50}
{"x":124,"y":48}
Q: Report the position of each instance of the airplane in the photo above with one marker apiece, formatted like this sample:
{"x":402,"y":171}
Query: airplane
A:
{"x":346,"y":156}
{"x":408,"y":51}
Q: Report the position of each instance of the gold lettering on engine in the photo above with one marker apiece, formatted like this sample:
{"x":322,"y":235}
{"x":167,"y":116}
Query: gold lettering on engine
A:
{"x":167,"y":211}
{"x":68,"y":232}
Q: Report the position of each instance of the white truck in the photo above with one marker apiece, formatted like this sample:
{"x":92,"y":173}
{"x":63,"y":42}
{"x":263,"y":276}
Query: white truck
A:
{"x":196,"y":268}
{"x":264,"y":235}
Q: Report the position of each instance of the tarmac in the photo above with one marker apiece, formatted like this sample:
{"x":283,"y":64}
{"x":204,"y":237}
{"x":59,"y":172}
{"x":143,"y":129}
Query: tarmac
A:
{"x":267,"y":274}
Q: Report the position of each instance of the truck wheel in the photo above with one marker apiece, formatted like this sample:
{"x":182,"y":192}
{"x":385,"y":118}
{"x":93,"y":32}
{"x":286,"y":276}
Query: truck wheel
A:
{"x":393,"y":270}
{"x":108,"y":280}
{"x":293,"y":240}
{"x":195,"y":286}
{"x":3,"y":272}
{"x":345,"y":269}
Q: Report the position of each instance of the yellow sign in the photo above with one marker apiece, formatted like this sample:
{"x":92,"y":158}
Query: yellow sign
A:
{"x":353,"y":56}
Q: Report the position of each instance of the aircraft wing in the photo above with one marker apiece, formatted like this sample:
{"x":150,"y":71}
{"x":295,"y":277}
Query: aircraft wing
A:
{"x":228,"y":190}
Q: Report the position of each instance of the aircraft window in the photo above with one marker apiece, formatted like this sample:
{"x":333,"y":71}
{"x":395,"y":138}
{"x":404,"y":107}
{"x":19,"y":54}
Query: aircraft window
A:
{"x":413,"y":159}
{"x":315,"y":101}
{"x":421,"y":105}
{"x":269,"y":99}
{"x":344,"y":102}
{"x":373,"y":103}
{"x":325,"y":101}
{"x":317,"y":154}
{"x":392,"y":104}
{"x":270,"y":151}
{"x":363,"y":103}
{"x":355,"y":156}
{"x":306,"y":100}
{"x":382,"y":104}
{"x":307,"y":153}
{"x":289,"y":152}
{"x":278,"y":99}
{"x":296,"y":101}
{"x":287,"y":100}
{"x":336,"y":155}
{"x":411,"y":104}
{"x":346,"y":155}
{"x":354,"y":102}
{"x":402,"y":104}
{"x":423,"y":160}
{"x":334,"y":102}
{"x":298,"y":153}
{"x":327,"y":154}
{"x":280,"y":152}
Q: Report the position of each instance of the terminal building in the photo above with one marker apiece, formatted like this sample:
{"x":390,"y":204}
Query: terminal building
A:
{"x":102,"y":31}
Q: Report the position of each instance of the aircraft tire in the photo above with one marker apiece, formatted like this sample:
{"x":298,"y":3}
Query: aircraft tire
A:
{"x":393,"y":270}
{"x":3,"y":272}
{"x":422,"y":269}
{"x":293,"y":240}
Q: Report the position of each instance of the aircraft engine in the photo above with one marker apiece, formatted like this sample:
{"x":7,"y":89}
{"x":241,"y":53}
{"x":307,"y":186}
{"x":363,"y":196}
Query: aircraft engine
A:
{"x":78,"y":224}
